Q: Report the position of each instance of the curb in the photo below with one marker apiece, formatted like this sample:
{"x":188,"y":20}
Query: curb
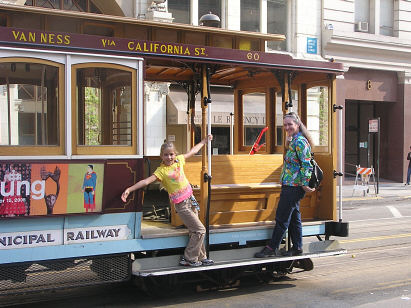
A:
{"x":374,"y":198}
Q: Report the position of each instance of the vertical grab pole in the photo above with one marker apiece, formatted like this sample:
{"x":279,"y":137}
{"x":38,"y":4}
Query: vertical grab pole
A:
{"x":209,"y":163}
{"x":231,"y":133}
{"x":340,"y":162}
{"x":206,"y":131}
{"x":209,"y":133}
{"x":340,"y":159}
{"x":8,"y":110}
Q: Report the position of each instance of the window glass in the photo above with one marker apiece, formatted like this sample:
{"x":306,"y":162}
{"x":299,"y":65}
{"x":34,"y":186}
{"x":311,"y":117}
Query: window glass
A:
{"x":279,"y":115}
{"x":277,"y":18}
{"x":69,"y":5}
{"x":180,"y":10}
{"x":250,"y":15}
{"x":253,"y":117}
{"x":362,"y":11}
{"x":386,"y":17}
{"x":207,"y":6}
{"x":317,"y":115}
{"x":221,"y":140}
{"x":103,"y":106}
{"x":29,"y":108}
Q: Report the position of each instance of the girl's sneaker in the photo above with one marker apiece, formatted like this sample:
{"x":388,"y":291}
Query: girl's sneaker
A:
{"x":184,"y":262}
{"x":207,"y":262}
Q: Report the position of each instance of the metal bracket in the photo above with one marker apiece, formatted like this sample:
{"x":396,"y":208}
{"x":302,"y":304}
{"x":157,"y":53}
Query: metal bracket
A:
{"x":207,"y":177}
{"x":207,"y":101}
{"x":335,"y":107}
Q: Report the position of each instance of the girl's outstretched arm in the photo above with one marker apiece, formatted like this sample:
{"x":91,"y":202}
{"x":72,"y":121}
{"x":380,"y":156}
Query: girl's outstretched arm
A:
{"x":138,"y":185}
{"x":197,"y":147}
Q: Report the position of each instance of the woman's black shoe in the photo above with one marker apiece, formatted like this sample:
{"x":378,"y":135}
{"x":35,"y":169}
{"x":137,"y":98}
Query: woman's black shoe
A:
{"x":268,"y":252}
{"x":293,"y":252}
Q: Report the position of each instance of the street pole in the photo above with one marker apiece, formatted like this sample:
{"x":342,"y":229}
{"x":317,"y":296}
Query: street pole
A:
{"x":378,"y":155}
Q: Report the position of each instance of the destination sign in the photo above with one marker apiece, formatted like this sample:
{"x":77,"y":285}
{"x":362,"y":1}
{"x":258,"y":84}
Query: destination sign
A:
{"x":141,"y":47}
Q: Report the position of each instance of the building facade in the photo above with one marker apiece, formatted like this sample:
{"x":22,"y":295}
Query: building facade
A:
{"x":373,"y":40}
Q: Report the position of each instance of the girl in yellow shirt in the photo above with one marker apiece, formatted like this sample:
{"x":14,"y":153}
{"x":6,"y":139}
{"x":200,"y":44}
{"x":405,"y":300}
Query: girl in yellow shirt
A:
{"x":171,"y":174}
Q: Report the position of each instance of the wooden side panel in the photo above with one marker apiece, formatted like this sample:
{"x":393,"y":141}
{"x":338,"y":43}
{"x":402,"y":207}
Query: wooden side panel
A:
{"x":239,"y":205}
{"x":243,"y":204}
{"x":237,"y":169}
{"x":242,"y":199}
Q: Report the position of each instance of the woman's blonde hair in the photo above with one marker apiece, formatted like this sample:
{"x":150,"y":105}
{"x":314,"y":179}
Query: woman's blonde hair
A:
{"x":296,"y":119}
{"x":166,"y":145}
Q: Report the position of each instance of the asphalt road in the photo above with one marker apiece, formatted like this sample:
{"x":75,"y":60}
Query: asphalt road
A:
{"x":376,"y":272}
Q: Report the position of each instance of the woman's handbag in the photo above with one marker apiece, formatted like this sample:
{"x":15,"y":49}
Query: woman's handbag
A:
{"x":316,"y":175}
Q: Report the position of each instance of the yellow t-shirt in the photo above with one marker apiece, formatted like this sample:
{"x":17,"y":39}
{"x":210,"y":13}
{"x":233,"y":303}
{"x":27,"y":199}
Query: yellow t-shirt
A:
{"x":174,"y":180}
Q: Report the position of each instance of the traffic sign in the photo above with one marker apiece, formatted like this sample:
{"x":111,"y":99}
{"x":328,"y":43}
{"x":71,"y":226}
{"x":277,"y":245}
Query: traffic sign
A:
{"x":373,"y":126}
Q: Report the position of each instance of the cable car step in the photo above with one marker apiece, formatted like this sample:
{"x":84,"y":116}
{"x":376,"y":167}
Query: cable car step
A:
{"x":167,"y":265}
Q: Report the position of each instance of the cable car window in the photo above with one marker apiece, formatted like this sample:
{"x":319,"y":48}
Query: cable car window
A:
{"x":253,"y":117}
{"x":317,"y":115}
{"x":103,"y":102}
{"x":29,"y":106}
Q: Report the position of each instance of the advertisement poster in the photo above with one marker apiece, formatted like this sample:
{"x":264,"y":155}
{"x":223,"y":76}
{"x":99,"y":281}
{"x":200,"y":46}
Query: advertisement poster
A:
{"x":50,"y":189}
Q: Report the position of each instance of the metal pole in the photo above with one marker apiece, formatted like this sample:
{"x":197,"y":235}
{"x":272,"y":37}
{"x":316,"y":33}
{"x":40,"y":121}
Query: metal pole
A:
{"x":209,"y":133}
{"x":378,"y":156}
{"x":368,"y":149}
{"x":231,"y":133}
{"x":8,"y":109}
{"x":340,"y":162}
{"x":43,"y":130}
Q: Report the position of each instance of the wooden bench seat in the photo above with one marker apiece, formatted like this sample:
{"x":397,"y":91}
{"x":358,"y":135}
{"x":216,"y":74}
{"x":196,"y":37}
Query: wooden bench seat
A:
{"x":245,"y":189}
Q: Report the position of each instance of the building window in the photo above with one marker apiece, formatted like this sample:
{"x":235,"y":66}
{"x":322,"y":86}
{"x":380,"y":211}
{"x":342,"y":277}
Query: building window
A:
{"x":362,"y":11}
{"x":250,"y":15}
{"x":386,"y":17}
{"x":207,"y":6}
{"x":68,"y":5}
{"x":31,"y":107}
{"x":277,"y":20}
{"x":180,"y":10}
{"x":103,"y":105}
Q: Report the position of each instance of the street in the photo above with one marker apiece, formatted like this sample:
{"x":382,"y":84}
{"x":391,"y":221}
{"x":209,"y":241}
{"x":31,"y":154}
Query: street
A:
{"x":375,"y":272}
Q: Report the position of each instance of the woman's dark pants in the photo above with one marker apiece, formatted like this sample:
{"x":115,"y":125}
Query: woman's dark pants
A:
{"x":288,"y":216}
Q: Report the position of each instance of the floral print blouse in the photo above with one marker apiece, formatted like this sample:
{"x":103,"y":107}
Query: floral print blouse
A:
{"x":297,"y":170}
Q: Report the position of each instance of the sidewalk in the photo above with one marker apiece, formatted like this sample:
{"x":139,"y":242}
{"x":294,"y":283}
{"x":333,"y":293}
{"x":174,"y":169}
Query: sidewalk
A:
{"x":387,"y":190}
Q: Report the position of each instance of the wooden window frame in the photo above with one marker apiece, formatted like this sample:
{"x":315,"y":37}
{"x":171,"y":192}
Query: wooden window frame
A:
{"x":303,"y":113}
{"x":239,"y":147}
{"x":104,"y":149}
{"x":33,"y":150}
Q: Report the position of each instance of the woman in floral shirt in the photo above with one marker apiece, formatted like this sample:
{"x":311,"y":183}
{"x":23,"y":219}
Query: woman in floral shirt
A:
{"x":295,"y":177}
